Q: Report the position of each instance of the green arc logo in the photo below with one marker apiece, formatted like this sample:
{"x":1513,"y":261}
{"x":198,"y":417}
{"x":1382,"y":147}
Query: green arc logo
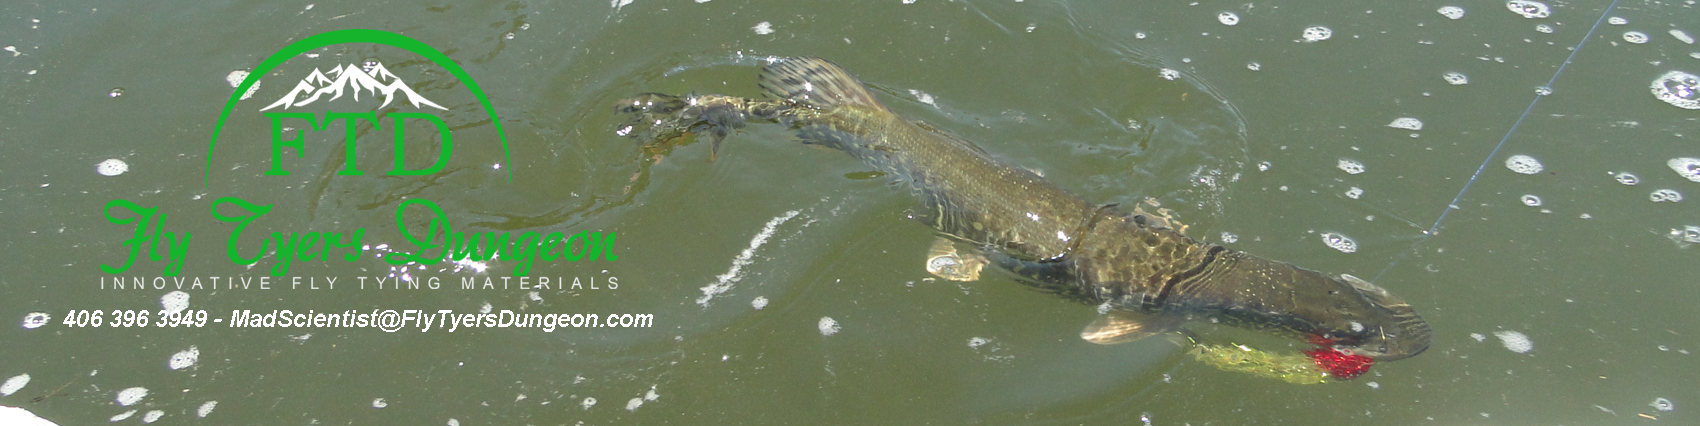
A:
{"x":357,"y":36}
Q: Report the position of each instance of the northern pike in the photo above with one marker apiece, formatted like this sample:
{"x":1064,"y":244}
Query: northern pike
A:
{"x":1147,"y":277}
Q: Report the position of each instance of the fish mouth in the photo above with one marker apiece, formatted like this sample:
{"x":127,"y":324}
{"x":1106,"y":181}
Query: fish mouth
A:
{"x":1405,"y":334}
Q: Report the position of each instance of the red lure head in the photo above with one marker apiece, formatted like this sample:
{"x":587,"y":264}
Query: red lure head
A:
{"x":1345,"y":366}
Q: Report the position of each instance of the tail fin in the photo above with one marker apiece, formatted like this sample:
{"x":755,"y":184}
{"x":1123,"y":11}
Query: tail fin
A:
{"x":814,"y":82}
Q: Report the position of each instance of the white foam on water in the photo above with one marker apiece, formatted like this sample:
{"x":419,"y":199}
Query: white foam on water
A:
{"x":828,"y":326}
{"x":588,"y":402}
{"x":1451,"y":12}
{"x":1350,"y":166}
{"x":379,"y":403}
{"x":1354,"y":193}
{"x":633,"y":404}
{"x":1339,"y":242}
{"x":1514,"y":341}
{"x":1543,"y":28}
{"x":112,"y":167}
{"x":1682,"y":36}
{"x":1685,"y":236}
{"x":174,"y":302}
{"x":1229,"y":237}
{"x":1524,"y":164}
{"x":763,"y":28}
{"x":1617,"y":20}
{"x":977,"y":342}
{"x":184,"y":359}
{"x":1317,"y":33}
{"x":1531,"y":200}
{"x":724,"y":282}
{"x":1665,"y":196}
{"x":1529,"y":8}
{"x":130,"y":396}
{"x":235,"y":79}
{"x":1228,"y":18}
{"x":152,"y":416}
{"x":1687,"y":167}
{"x":1679,"y":89}
{"x":759,"y":302}
{"x":14,"y":416}
{"x":1253,"y":66}
{"x":1478,"y":336}
{"x":1636,"y":37}
{"x":14,"y":384}
{"x":1455,"y":78}
{"x":923,"y":97}
{"x":36,"y":319}
{"x":205,"y":409}
{"x":1406,"y":123}
{"x":1168,"y":74}
{"x":121,"y":416}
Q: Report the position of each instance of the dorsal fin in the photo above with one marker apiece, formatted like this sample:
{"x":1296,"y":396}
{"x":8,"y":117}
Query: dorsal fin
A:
{"x":814,"y":82}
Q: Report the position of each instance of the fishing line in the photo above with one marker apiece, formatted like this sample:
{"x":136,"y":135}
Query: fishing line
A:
{"x":1432,"y":230}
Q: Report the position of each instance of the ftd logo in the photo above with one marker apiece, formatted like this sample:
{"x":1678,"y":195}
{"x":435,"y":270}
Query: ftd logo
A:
{"x":370,"y":77}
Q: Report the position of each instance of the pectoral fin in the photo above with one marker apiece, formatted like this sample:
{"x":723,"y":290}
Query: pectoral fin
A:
{"x":1119,"y":327}
{"x":944,"y":261}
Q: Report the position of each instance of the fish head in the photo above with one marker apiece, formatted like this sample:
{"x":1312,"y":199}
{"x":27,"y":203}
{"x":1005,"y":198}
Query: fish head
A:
{"x":1369,"y":321}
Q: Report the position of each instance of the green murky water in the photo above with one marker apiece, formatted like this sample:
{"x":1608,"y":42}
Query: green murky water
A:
{"x":1242,"y":144}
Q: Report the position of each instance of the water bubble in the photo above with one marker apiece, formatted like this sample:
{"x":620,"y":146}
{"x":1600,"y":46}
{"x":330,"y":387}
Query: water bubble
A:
{"x":1455,"y":78}
{"x":976,"y":342}
{"x":1169,"y":73}
{"x":1543,"y":90}
{"x":116,"y":92}
{"x":588,"y":402}
{"x":1682,"y":36}
{"x":1229,"y":237}
{"x":1317,"y":33}
{"x":1617,"y":20}
{"x":1523,"y":164}
{"x":1139,"y":35}
{"x":1627,"y":179}
{"x":1531,"y":200}
{"x":828,"y":326}
{"x":36,"y":319}
{"x":130,"y":396}
{"x":1636,"y":37}
{"x":1678,"y":88}
{"x":1253,"y":66}
{"x":1685,"y":236}
{"x":1350,"y":166}
{"x":1339,"y":242}
{"x":380,"y":403}
{"x":1406,"y":123}
{"x":111,"y":167}
{"x":1354,"y":193}
{"x":184,"y":359}
{"x":1515,"y":341}
{"x":1662,"y":404}
{"x":1228,"y":18}
{"x":1543,"y":28}
{"x":1263,"y":166}
{"x":14,"y":384}
{"x":1452,"y":12}
{"x":1665,"y":196}
{"x":1687,"y":167}
{"x":1529,"y":8}
{"x":508,"y":36}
